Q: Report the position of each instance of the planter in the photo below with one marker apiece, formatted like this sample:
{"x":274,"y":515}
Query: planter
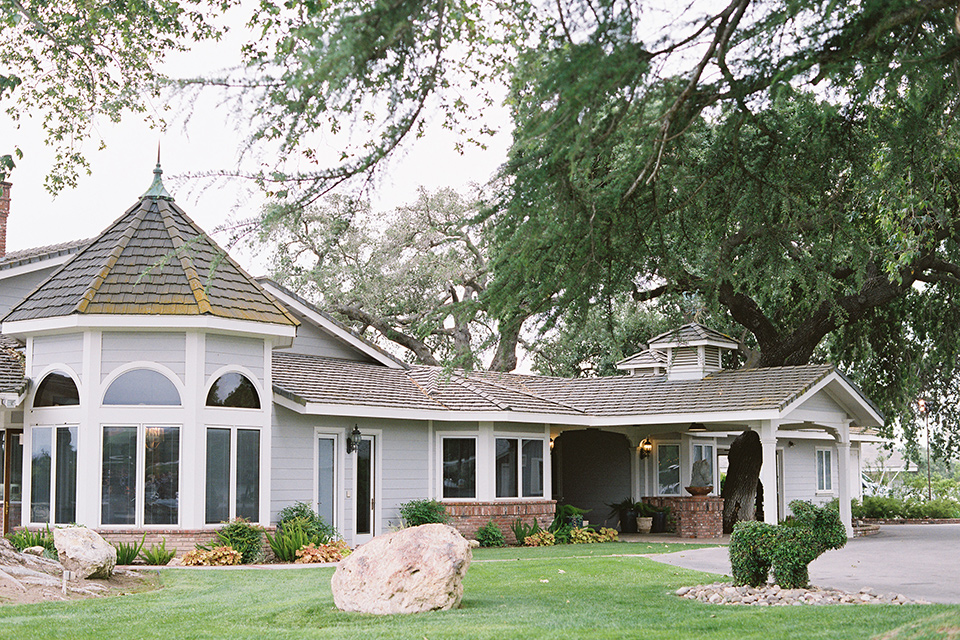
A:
{"x":659,"y":522}
{"x":628,"y":522}
{"x":644,"y":525}
{"x":699,"y":491}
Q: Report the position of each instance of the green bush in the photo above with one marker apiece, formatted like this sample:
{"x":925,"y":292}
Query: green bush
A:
{"x":756,"y":547}
{"x":940,"y":508}
{"x":295,"y":534}
{"x":309,"y":521}
{"x":882,"y":507}
{"x":489,"y":535}
{"x":417,"y":512}
{"x":242,"y":537}
{"x":157,"y":554}
{"x":522,"y":531}
{"x":24,"y":539}
{"x":128,"y":552}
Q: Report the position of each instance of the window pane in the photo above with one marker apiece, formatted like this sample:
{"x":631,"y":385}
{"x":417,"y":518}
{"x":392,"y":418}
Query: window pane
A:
{"x":506,"y":468}
{"x":233,"y":390}
{"x":119,"y":491}
{"x":459,"y":468}
{"x":66,"y":496}
{"x":701,"y":474}
{"x":161,"y":482}
{"x":218,"y":476}
{"x":41,"y":458}
{"x":668,"y":469}
{"x":142,"y":386}
{"x":364,"y":486}
{"x":248,"y":474}
{"x":57,"y":390}
{"x":325,"y":478}
{"x":533,"y":468}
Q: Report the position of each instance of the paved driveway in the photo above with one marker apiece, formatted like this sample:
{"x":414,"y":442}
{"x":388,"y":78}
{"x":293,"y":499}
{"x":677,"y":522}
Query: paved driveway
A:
{"x":919,"y":561}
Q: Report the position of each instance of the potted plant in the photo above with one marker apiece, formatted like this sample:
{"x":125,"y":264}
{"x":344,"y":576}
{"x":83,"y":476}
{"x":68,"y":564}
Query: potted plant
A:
{"x":645,"y":514}
{"x":660,"y":519}
{"x":625,"y":511}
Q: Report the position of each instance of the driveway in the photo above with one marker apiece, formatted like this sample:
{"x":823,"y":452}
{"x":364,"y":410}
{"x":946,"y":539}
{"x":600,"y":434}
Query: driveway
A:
{"x":919,"y":561}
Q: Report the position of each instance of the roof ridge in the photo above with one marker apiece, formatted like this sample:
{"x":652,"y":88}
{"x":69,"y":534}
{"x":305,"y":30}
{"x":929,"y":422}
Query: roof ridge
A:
{"x":527,"y":392}
{"x":186,"y":263}
{"x":467,"y":384}
{"x":407,"y":373}
{"x":111,"y":260}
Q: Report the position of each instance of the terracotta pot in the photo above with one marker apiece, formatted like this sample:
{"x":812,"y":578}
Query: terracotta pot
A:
{"x":699,"y":491}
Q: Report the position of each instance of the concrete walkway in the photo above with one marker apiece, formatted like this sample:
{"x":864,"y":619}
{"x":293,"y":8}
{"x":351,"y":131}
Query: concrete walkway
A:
{"x":919,"y":561}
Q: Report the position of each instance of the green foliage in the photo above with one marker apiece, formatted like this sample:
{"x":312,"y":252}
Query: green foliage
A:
{"x":756,"y":547}
{"x":128,"y":552}
{"x":309,"y":521}
{"x":157,"y":554}
{"x":886,"y":508}
{"x":242,"y":537}
{"x":294,"y":535}
{"x":24,"y":538}
{"x":417,"y":512}
{"x":490,"y":535}
{"x":522,"y":531}
{"x":540,"y":539}
{"x":214,"y":557}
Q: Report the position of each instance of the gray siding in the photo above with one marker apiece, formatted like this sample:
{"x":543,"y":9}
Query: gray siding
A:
{"x":16,"y":288}
{"x":225,"y":351}
{"x":120,"y":348}
{"x":66,"y":349}
{"x":314,"y":341}
{"x":405,"y":467}
{"x":800,"y":471}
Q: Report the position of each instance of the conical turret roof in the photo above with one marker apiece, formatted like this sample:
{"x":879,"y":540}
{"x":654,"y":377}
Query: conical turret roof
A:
{"x":153,"y":260}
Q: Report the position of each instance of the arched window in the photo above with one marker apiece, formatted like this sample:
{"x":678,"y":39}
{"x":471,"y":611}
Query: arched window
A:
{"x":142,"y":386}
{"x":57,"y":390}
{"x":233,"y":390}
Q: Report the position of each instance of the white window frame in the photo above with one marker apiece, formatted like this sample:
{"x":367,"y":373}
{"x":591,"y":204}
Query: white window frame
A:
{"x":656,"y":467}
{"x":53,"y":471}
{"x":520,"y":438}
{"x":232,"y":497}
{"x":827,"y":488}
{"x":139,"y":499}
{"x":338,"y":464}
{"x":458,"y":435}
{"x":713,"y":463}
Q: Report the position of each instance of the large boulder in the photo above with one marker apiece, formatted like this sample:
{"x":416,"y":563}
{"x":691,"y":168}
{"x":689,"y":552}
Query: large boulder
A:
{"x":407,"y":571}
{"x":84,"y":553}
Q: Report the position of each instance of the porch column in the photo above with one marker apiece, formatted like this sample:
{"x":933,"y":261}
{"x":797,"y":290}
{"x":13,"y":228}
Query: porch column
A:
{"x":842,"y":436}
{"x":768,"y":469}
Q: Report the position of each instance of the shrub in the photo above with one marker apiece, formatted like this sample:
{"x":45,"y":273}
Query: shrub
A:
{"x":489,"y":535}
{"x":417,"y":512}
{"x":940,"y":508}
{"x":569,"y":516}
{"x":540,"y":539}
{"x":128,"y":552}
{"x":580,"y":535}
{"x":216,"y":557}
{"x":309,"y":521}
{"x":521,"y":531}
{"x":882,"y":507}
{"x":243,"y":537}
{"x":607,"y":535}
{"x":157,"y":554}
{"x":24,"y":539}
{"x":294,"y":535}
{"x":333,"y":552}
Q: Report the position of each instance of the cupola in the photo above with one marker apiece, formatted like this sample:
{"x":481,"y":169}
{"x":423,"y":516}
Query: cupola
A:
{"x":690,"y":352}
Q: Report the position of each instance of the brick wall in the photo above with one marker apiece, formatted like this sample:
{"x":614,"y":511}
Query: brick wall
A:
{"x":4,"y":212}
{"x":470,"y":516}
{"x":693,"y":516}
{"x":183,"y":540}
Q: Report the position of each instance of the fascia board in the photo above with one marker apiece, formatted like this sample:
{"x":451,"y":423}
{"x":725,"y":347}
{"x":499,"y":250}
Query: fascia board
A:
{"x":833,"y":377}
{"x":36,"y":265}
{"x":40,"y":326}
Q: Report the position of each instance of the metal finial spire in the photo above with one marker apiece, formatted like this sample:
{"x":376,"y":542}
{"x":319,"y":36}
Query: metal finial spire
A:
{"x":157,"y":189}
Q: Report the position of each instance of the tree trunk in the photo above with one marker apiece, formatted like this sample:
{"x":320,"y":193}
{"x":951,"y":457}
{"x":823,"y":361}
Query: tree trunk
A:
{"x":740,"y":488}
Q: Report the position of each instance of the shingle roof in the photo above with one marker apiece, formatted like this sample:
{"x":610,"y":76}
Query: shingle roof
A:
{"x":690,"y":334}
{"x":646,"y":358}
{"x":36,"y":254}
{"x":313,"y":379}
{"x":12,"y":378}
{"x":153,"y":260}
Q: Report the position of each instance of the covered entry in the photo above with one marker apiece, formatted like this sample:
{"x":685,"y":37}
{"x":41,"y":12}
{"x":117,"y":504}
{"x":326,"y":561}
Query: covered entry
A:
{"x":591,"y":470}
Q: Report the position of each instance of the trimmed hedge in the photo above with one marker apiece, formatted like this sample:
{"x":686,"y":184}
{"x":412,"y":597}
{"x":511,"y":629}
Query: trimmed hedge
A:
{"x":885,"y":508}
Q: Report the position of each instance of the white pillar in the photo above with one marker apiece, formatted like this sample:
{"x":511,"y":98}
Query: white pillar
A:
{"x":842,"y":436}
{"x":768,"y":469}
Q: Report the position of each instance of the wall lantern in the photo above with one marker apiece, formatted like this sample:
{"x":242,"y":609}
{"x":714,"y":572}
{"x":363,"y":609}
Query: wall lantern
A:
{"x":353,"y":440}
{"x":696,"y":427}
{"x":645,"y":448}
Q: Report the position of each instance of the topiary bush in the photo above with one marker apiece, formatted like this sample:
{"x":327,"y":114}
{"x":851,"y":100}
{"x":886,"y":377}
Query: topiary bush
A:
{"x":490,"y":535}
{"x":417,"y":512}
{"x":242,"y":537}
{"x":756,"y":547}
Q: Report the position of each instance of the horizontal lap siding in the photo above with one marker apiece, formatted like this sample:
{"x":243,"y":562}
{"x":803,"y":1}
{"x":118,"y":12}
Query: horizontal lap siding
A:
{"x":65,"y":349}
{"x":230,"y":351}
{"x":293,"y":447}
{"x":314,"y":341}
{"x":17,"y":288}
{"x":405,"y":467}
{"x":120,"y":348}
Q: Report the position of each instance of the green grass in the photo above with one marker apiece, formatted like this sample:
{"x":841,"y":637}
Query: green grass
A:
{"x":582,"y":550}
{"x":540,"y":597}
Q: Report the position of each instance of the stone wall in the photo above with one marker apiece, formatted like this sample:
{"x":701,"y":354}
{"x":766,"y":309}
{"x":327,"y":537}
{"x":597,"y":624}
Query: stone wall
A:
{"x":467,"y":517}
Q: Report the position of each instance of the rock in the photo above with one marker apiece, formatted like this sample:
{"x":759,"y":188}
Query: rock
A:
{"x":34,"y":551}
{"x":407,"y":571}
{"x":774,"y":596}
{"x":682,"y":591}
{"x":84,"y":553}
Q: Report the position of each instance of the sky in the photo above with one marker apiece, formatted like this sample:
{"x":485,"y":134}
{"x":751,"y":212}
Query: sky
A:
{"x":205,"y":141}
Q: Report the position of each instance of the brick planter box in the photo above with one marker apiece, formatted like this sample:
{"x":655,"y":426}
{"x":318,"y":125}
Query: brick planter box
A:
{"x":692,"y":516}
{"x":467,"y":517}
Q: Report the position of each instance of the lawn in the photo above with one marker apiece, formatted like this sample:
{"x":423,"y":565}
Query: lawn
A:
{"x":559,"y":594}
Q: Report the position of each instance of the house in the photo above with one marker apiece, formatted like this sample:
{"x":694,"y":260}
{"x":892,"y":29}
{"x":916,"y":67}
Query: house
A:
{"x":149,"y":385}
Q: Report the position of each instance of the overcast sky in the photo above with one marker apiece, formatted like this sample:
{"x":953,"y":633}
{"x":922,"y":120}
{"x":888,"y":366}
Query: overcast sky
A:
{"x":123,"y":170}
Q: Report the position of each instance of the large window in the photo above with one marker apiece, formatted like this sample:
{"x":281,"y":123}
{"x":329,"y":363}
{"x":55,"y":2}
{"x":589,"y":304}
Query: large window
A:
{"x":701,"y":473}
{"x":459,"y":467}
{"x":142,"y":387}
{"x":668,"y":469}
{"x":53,"y":475}
{"x":56,"y":390}
{"x":233,"y":390}
{"x":233,"y":474}
{"x":141,"y":475}
{"x":518,"y":468}
{"x":824,"y":471}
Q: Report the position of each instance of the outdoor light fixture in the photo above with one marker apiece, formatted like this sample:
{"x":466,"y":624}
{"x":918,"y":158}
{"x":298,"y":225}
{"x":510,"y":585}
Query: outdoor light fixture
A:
{"x":353,"y":440}
{"x":645,"y":448}
{"x":696,"y":427}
